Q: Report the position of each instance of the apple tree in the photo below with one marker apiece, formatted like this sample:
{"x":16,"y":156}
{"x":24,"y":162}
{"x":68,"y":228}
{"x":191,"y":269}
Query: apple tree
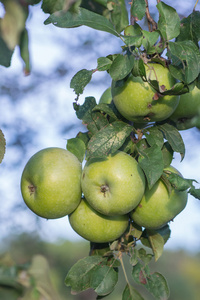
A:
{"x":159,"y":64}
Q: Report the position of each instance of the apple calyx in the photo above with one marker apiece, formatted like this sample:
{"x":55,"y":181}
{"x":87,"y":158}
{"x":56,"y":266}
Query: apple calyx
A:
{"x":32,"y":189}
{"x":104,"y":188}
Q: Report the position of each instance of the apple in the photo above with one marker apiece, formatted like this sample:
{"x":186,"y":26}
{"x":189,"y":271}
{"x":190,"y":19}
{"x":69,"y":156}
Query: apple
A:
{"x":186,"y":110}
{"x":96,"y":227}
{"x":51,"y":183}
{"x":113,"y":186}
{"x":134,"y":98}
{"x":157,"y":206}
{"x":106,"y":97}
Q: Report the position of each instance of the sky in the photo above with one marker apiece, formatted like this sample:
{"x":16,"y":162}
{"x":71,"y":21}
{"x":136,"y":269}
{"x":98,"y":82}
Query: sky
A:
{"x":49,"y":116}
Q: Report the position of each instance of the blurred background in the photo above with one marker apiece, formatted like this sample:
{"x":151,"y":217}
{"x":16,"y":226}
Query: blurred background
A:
{"x":36,"y":112}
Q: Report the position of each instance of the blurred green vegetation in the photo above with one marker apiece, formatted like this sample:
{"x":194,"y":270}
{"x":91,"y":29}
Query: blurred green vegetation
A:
{"x":181,"y":269}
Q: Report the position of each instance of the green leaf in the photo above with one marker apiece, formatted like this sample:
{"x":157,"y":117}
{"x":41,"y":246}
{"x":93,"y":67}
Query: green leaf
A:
{"x":154,"y":136}
{"x":108,"y":140}
{"x":139,"y":69}
{"x":77,"y":147}
{"x":169,"y":21}
{"x":151,"y":161}
{"x":195,"y":192}
{"x":79,"y":276}
{"x":178,"y":182}
{"x":158,"y":287}
{"x":121,"y":66}
{"x":93,"y":120}
{"x":190,"y":28}
{"x":157,"y":243}
{"x":164,"y":232}
{"x":104,"y":63}
{"x":138,"y":9}
{"x":51,"y":6}
{"x":133,"y":35}
{"x":167,"y":152}
{"x":119,"y":14}
{"x":144,"y":256}
{"x":5,"y":54}
{"x":130,"y":293}
{"x":185,"y":59}
{"x":149,"y":39}
{"x":103,"y":280}
{"x":24,"y":51}
{"x":2,"y":146}
{"x":80,"y":80}
{"x":67,"y":19}
{"x":155,"y":283}
{"x":174,"y":138}
{"x":105,"y":108}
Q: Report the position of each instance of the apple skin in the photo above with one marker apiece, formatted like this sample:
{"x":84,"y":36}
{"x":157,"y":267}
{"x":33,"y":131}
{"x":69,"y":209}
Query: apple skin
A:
{"x":157,"y":207}
{"x":186,"y":110}
{"x":51,"y":183}
{"x":113,"y":186}
{"x":134,"y":98}
{"x":106,"y":97}
{"x":96,"y":227}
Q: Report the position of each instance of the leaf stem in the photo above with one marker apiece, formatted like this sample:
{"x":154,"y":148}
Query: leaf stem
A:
{"x":195,"y":5}
{"x":123,"y":267}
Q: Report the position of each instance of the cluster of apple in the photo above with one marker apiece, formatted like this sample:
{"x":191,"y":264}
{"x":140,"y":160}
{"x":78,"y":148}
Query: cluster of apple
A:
{"x":101,"y":199}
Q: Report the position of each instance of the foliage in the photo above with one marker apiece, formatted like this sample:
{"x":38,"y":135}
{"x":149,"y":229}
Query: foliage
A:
{"x":171,"y":42}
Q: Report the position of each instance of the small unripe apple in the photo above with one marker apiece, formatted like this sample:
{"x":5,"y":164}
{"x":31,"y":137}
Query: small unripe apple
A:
{"x":96,"y":227}
{"x":187,"y":109}
{"x":106,"y":97}
{"x":51,"y":183}
{"x":158,"y":206}
{"x":114,"y":185}
{"x":135,"y":100}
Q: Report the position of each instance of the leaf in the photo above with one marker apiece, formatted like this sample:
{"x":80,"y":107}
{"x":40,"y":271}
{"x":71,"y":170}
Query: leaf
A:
{"x":154,"y":136}
{"x":185,"y":59}
{"x":169,"y":21}
{"x":174,"y":138}
{"x":103,"y":280}
{"x":144,"y":256}
{"x":51,"y":6}
{"x":130,"y":293}
{"x":133,"y":35}
{"x":167,"y":154}
{"x":2,"y":146}
{"x":164,"y":232}
{"x":104,"y":63}
{"x":119,"y":14}
{"x":149,"y":39}
{"x":190,"y":28}
{"x":139,"y":69}
{"x":80,"y":80}
{"x":157,"y":243}
{"x":77,"y":147}
{"x":151,"y":161}
{"x":155,"y":283}
{"x":195,"y":192}
{"x":83,"y":16}
{"x":157,"y":286}
{"x":121,"y":66}
{"x":138,"y":9}
{"x":79,"y":276}
{"x":5,"y":53}
{"x":106,"y":109}
{"x":108,"y":140}
{"x":24,"y":51}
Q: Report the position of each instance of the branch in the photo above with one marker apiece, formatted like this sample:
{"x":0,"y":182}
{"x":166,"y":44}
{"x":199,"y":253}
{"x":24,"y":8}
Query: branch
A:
{"x":151,"y":23}
{"x":195,"y":5}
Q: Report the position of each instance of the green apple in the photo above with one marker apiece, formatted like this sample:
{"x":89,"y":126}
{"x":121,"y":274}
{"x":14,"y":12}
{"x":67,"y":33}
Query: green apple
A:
{"x":51,"y":183}
{"x":96,"y":227}
{"x":134,"y":98}
{"x":106,"y":97}
{"x":157,"y":206}
{"x":186,"y":110}
{"x":113,"y":186}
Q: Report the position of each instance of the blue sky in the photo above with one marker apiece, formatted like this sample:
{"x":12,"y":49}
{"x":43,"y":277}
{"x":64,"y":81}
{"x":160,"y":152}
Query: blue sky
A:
{"x":50,"y":106}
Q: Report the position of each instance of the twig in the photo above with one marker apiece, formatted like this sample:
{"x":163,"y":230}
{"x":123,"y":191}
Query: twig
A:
{"x":195,"y":5}
{"x":151,"y":23}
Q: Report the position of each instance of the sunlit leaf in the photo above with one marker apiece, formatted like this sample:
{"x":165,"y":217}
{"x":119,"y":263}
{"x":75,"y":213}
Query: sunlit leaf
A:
{"x":80,"y":80}
{"x":2,"y":146}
